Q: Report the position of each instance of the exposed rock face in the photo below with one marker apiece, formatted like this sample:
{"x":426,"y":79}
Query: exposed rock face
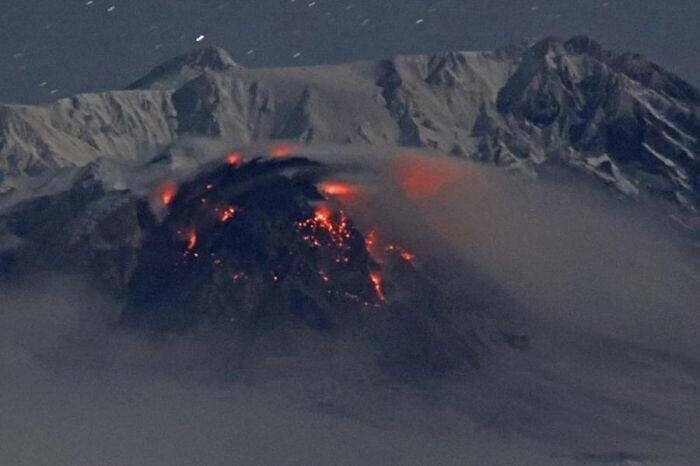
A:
{"x":573,"y":102}
{"x":619,"y":117}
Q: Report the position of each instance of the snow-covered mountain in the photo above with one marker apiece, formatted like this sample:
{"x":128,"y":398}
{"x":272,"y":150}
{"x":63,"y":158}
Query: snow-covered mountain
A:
{"x":617,"y":116}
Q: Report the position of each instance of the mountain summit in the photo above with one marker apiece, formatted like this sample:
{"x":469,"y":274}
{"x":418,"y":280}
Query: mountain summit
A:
{"x":176,"y":71}
{"x":618,"y":117}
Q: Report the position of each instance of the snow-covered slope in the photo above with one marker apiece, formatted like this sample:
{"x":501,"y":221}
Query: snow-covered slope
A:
{"x":619,"y":117}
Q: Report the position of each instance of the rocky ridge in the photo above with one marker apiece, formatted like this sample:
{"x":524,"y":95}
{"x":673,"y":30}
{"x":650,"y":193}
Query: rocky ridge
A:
{"x":619,"y":117}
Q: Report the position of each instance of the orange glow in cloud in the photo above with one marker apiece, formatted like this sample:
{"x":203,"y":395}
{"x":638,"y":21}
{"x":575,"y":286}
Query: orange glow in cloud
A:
{"x":422,"y":177}
{"x":166,"y":192}
{"x":282,"y":150}
{"x":338,"y":189}
{"x":234,"y":159}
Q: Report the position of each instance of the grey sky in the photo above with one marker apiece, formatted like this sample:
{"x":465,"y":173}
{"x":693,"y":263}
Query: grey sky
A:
{"x":55,"y":48}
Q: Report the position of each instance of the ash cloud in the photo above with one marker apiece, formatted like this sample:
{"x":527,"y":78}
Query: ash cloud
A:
{"x":568,"y":249}
{"x":76,"y":392}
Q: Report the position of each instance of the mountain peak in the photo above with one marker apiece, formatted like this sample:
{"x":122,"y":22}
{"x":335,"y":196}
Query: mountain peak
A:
{"x":176,"y":71}
{"x":619,"y":117}
{"x":579,"y":45}
{"x":649,"y":74}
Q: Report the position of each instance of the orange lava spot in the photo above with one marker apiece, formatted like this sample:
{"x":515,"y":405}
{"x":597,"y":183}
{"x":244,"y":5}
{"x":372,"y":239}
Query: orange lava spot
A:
{"x":371,"y":239}
{"x":322,"y":213}
{"x":338,"y":189}
{"x":378,"y":285}
{"x":372,"y":244}
{"x":408,"y":256}
{"x":227,"y":214}
{"x":166,"y":192}
{"x":282,"y":150}
{"x":191,"y":239}
{"x":422,"y":177}
{"x":234,"y":159}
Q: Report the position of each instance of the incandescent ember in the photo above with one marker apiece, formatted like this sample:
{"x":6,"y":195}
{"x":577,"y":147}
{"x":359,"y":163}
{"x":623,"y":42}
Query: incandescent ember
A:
{"x":166,"y":192}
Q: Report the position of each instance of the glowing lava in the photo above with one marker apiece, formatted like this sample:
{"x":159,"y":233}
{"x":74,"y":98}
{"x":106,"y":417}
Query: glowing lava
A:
{"x":338,"y":189}
{"x":324,"y":276}
{"x":372,"y":244}
{"x":327,"y":228}
{"x":323,"y":214}
{"x":407,"y":256}
{"x":166,"y":192}
{"x":378,"y":250}
{"x":227,"y":214}
{"x":283,"y":150}
{"x":378,"y":285}
{"x":191,"y":239}
{"x":235,"y":159}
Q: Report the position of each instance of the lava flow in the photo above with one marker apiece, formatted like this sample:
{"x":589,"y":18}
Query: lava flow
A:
{"x":333,"y":224}
{"x":191,"y":239}
{"x":377,"y":282}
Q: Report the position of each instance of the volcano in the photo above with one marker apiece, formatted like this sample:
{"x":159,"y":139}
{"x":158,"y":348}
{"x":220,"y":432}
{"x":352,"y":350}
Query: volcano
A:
{"x":246,"y":243}
{"x":248,"y":246}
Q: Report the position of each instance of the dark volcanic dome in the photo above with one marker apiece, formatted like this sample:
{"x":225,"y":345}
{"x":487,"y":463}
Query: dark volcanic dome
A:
{"x":247,"y":244}
{"x":246,"y":248}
